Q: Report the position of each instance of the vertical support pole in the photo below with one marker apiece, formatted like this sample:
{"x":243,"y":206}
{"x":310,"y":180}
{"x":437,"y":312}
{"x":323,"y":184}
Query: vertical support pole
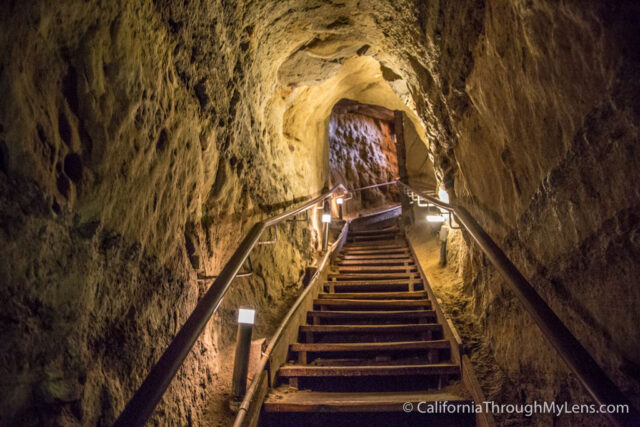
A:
{"x":398,"y":125}
{"x":340,"y":211}
{"x":243,"y":347}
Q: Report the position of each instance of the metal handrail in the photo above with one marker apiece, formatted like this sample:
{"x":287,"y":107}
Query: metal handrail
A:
{"x":577,"y":358}
{"x":144,"y":401}
{"x":374,"y":186}
{"x":277,"y":336}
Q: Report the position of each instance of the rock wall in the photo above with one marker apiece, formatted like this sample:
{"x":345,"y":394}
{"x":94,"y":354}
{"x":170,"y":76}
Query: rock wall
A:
{"x":362,"y":152}
{"x":140,"y":140}
{"x":130,"y":162}
{"x":539,"y":139}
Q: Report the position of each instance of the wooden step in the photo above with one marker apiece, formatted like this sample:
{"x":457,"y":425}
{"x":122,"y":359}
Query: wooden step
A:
{"x":316,"y":401}
{"x":382,"y":244}
{"x":373,"y":237}
{"x":373,"y":304}
{"x":370,"y":346}
{"x":377,"y":262}
{"x":289,"y":370}
{"x":372,"y":269}
{"x":374,"y":257}
{"x":400,"y":286}
{"x":373,"y":282}
{"x":385,"y":243}
{"x":370,"y":317}
{"x":368,"y":329}
{"x":359,"y":277}
{"x":374,"y":295}
{"x":369,"y":232}
{"x":372,"y":252}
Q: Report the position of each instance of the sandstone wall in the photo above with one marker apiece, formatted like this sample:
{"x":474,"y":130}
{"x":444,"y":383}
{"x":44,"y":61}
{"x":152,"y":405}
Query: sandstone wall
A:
{"x":129,"y":164}
{"x":362,"y":152}
{"x":543,"y":149}
{"x":140,"y":140}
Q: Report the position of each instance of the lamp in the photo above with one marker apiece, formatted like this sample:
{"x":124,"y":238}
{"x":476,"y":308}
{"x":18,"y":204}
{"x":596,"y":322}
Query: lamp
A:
{"x":246,"y":318}
{"x":435,"y":218}
{"x":326,"y":220}
{"x":340,"y":202}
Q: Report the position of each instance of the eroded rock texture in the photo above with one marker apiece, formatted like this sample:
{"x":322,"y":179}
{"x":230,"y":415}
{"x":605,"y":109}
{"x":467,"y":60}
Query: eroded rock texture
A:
{"x":362,"y":152}
{"x":140,"y":140}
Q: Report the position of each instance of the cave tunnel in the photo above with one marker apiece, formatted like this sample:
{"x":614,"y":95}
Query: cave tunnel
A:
{"x":306,"y":212}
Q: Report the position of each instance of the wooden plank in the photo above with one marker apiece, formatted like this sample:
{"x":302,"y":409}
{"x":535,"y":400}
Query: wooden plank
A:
{"x":377,"y":257}
{"x":382,"y":244}
{"x":368,"y":253}
{"x":371,"y":284}
{"x":370,"y":346}
{"x":371,"y":303}
{"x":375,"y":269}
{"x":378,"y":262}
{"x":369,"y":232}
{"x":362,"y":371}
{"x":369,"y":276}
{"x":314,"y":401}
{"x":366,"y":329}
{"x":374,"y":295}
{"x":373,"y":314}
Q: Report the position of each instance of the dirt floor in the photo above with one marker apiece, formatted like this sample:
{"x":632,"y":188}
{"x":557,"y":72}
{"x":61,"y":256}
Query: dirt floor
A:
{"x":456,"y":301}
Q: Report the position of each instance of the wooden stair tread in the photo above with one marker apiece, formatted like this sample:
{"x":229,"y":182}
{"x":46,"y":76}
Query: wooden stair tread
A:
{"x":374,"y":314}
{"x":289,"y":370}
{"x":374,"y":246}
{"x":372,"y":303}
{"x":373,"y":295}
{"x":317,"y":401}
{"x":370,"y":346}
{"x":382,"y":256}
{"x":374,"y":230}
{"x":376,"y":262}
{"x":372,"y":269}
{"x":372,"y":282}
{"x":350,"y":329}
{"x":384,"y":242}
{"x":375,"y":275}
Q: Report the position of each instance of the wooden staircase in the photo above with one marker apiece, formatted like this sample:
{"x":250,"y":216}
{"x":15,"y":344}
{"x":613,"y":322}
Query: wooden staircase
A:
{"x":371,"y":344}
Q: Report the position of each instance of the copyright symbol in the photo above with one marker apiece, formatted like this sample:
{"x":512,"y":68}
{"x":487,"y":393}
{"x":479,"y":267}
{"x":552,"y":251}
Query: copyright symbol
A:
{"x":407,"y":407}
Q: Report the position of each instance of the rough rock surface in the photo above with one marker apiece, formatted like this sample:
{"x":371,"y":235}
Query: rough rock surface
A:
{"x":362,"y":152}
{"x":140,"y":140}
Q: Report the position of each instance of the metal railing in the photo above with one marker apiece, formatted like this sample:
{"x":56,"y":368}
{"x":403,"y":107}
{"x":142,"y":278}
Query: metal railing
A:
{"x":150,"y":392}
{"x":579,"y":361}
{"x":278,"y":335}
{"x":577,"y":358}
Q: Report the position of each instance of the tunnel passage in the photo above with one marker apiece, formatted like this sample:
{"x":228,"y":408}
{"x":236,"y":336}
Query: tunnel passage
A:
{"x":363,"y":153}
{"x":137,"y":137}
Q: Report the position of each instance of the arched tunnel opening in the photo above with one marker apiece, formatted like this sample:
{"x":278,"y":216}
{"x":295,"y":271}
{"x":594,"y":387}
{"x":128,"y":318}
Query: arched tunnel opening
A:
{"x":429,"y":208}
